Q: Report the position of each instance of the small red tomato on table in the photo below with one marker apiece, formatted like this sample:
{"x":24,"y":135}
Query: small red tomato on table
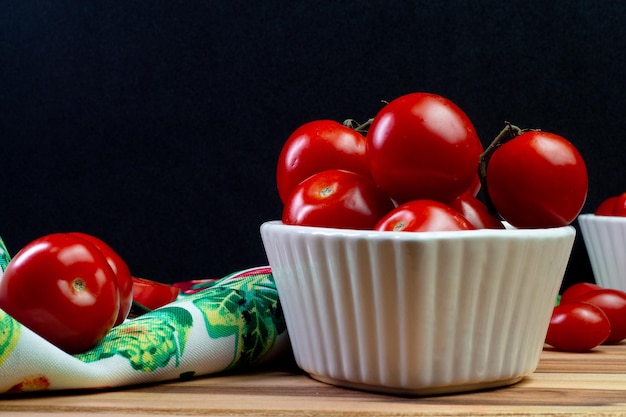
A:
{"x":576,"y":324}
{"x":577,"y":327}
{"x":613,"y":303}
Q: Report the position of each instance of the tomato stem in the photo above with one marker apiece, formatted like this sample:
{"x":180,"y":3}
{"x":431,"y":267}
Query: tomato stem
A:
{"x":79,"y":284}
{"x":509,"y":131}
{"x":361,"y":128}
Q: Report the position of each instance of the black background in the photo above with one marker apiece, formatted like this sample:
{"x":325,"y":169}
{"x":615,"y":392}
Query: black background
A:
{"x":156,"y":125}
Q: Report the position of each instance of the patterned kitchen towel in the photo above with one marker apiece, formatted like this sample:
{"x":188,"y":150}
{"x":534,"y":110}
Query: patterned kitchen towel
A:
{"x":217,"y":325}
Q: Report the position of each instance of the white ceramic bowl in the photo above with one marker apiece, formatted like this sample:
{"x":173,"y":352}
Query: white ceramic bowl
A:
{"x":417,"y":313}
{"x":605,"y":240}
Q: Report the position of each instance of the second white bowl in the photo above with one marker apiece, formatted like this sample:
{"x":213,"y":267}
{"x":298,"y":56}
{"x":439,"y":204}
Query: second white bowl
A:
{"x":605,"y":240}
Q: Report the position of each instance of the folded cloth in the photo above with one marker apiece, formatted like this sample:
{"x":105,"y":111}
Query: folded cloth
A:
{"x":215,"y":325}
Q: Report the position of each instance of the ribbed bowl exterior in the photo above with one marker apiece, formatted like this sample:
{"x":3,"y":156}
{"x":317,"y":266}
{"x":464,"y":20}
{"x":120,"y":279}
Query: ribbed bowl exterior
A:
{"x":417,"y":313}
{"x":605,"y":240}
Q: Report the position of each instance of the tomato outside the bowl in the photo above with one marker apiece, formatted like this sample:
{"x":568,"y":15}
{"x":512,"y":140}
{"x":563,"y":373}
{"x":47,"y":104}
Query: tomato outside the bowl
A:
{"x":152,"y":294}
{"x":61,"y":287}
{"x":122,"y":273}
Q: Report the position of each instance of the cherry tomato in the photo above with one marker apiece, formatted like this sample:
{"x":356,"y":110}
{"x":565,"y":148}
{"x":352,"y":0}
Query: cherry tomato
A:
{"x":61,"y":287}
{"x":423,"y":146}
{"x":475,"y":186}
{"x":613,"y":206}
{"x":577,"y":327}
{"x":613,"y":303}
{"x":153,"y":294}
{"x":476,"y":212}
{"x":336,"y":198}
{"x":606,"y":207}
{"x":537,"y":179}
{"x":423,"y":216}
{"x":122,"y":273}
{"x":317,"y":146}
{"x":573,"y":292}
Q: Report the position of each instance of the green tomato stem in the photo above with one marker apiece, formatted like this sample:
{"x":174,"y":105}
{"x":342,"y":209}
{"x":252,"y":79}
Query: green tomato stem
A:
{"x":361,"y":128}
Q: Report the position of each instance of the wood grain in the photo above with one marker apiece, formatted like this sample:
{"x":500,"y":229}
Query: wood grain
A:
{"x":565,"y":384}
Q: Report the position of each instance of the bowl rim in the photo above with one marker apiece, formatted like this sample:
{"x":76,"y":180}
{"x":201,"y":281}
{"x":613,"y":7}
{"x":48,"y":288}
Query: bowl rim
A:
{"x":509,"y":232}
{"x":606,"y":219}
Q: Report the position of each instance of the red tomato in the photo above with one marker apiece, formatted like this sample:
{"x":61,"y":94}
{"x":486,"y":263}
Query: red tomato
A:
{"x":619,"y":208}
{"x":317,"y":146}
{"x":122,"y":273}
{"x":613,"y":206}
{"x":577,"y":327}
{"x":536,"y":180}
{"x":573,"y":292}
{"x":613,"y":303}
{"x":476,"y":212}
{"x":422,"y":146}
{"x":153,"y":294}
{"x":423,"y":216}
{"x":475,"y":186}
{"x":336,"y":198}
{"x":61,"y":287}
{"x":606,"y":207}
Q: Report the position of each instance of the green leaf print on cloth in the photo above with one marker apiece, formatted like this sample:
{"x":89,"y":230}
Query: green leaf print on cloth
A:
{"x":248,"y":309}
{"x":5,"y":258}
{"x":213,"y":326}
{"x":148,"y":342}
{"x":10,"y":331}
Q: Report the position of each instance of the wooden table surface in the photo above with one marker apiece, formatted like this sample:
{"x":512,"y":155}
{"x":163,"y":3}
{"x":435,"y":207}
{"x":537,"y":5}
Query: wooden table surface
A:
{"x":567,"y":384}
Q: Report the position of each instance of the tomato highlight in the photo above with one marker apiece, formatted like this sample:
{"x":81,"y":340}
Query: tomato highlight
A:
{"x":62,"y":287}
{"x":537,"y":180}
{"x":423,"y":216}
{"x":336,"y":198}
{"x":423,"y":146}
{"x":577,"y":327}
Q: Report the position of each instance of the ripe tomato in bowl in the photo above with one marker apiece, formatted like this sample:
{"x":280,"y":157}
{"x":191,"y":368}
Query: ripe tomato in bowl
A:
{"x":423,"y":146}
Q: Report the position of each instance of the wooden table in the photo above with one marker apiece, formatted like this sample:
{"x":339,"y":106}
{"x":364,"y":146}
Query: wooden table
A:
{"x":567,"y":384}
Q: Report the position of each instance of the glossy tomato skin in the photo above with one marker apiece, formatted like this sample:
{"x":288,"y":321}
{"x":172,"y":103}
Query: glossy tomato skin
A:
{"x":336,"y":198}
{"x":577,"y":327}
{"x":62,"y":288}
{"x":317,"y":146}
{"x":476,"y":212}
{"x":122,"y":273}
{"x":575,"y":291}
{"x":423,"y":146}
{"x":619,"y":208}
{"x":423,"y":216}
{"x":537,"y":179}
{"x":153,"y":294}
{"x":613,"y":303}
{"x":613,"y":206}
{"x":606,"y":207}
{"x":475,"y":186}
